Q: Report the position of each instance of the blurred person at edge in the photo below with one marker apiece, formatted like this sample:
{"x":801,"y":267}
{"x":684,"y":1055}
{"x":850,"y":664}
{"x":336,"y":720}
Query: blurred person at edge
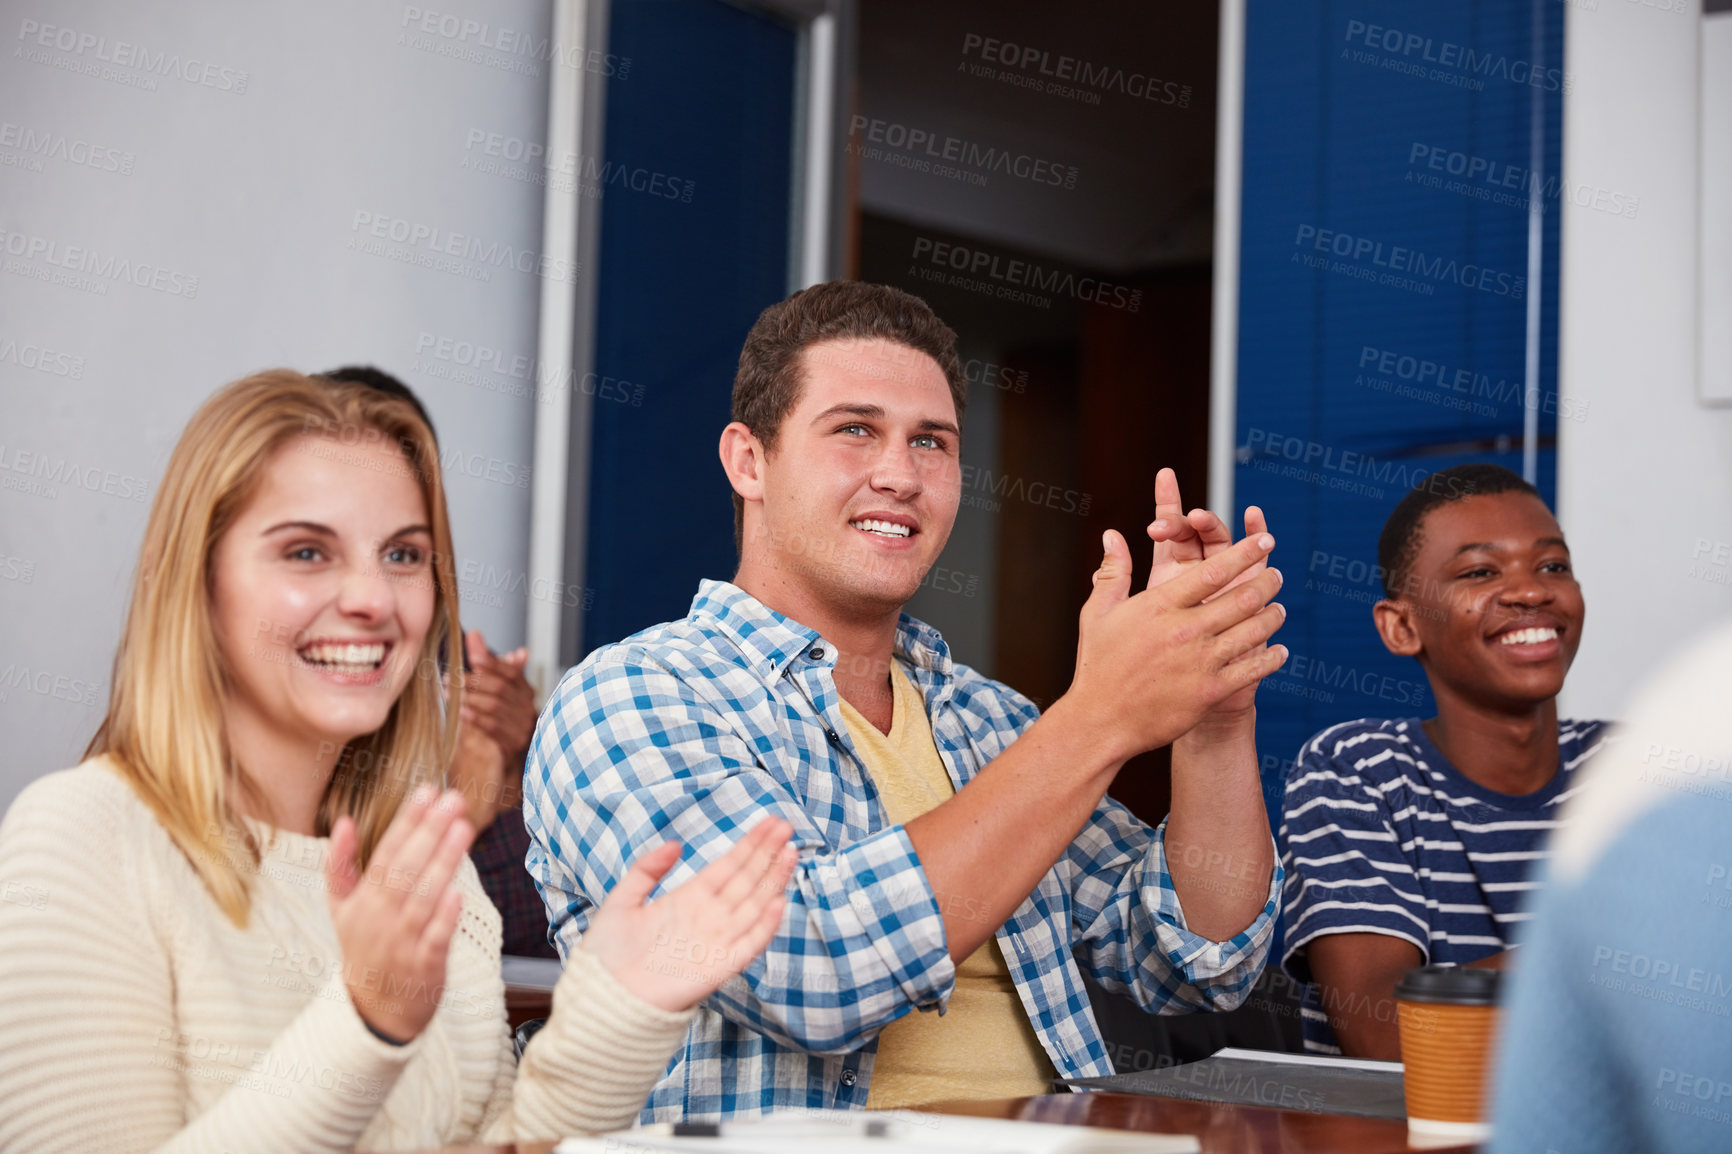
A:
{"x":498,"y":720}
{"x":962,"y":867}
{"x":1409,"y":842}
{"x":247,"y":920}
{"x":1617,"y":1030}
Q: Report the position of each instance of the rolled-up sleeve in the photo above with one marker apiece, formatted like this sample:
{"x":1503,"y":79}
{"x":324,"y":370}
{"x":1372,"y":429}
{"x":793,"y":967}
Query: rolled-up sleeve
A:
{"x":1130,"y":928}
{"x":630,"y":754}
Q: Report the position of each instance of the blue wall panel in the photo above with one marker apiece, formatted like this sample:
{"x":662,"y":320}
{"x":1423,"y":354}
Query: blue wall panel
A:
{"x":1389,"y":152}
{"x":708,"y":101}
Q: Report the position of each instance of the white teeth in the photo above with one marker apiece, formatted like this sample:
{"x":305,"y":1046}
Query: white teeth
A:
{"x":347,"y":655}
{"x":1528,"y":636}
{"x":882,"y":528}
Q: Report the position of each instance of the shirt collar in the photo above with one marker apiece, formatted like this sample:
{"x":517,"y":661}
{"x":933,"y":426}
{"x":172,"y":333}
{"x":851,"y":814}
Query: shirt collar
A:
{"x":772,"y":640}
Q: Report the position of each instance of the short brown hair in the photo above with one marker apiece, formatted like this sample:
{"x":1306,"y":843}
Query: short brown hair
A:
{"x":767,"y":383}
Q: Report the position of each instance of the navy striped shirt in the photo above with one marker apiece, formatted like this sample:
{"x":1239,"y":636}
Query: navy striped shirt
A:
{"x":1381,"y":834}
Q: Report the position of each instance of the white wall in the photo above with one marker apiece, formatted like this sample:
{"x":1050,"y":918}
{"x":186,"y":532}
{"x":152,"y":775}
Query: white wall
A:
{"x":252,"y":186}
{"x":1716,"y":249}
{"x":1645,"y":480}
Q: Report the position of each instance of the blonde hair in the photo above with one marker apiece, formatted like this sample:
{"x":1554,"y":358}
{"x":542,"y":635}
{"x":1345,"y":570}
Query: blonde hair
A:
{"x":164,"y":727}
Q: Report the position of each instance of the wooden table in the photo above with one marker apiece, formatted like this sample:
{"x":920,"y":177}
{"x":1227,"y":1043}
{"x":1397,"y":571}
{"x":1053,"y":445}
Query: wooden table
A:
{"x":529,"y":986}
{"x":523,"y":1003}
{"x":1221,"y":1129}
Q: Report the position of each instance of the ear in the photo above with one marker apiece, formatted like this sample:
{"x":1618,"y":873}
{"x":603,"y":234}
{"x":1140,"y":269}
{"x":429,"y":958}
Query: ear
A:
{"x":1394,"y":620}
{"x":743,"y":460}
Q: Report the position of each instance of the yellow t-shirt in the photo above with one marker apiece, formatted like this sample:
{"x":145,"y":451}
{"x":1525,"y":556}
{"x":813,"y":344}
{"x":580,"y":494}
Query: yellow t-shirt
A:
{"x":983,"y":1046}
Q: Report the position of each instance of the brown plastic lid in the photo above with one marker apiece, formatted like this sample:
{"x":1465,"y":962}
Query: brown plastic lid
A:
{"x":1449,"y":986}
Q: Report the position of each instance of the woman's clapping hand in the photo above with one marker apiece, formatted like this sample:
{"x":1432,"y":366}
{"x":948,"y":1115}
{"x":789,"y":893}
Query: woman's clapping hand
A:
{"x":395,"y":923}
{"x":675,"y":951}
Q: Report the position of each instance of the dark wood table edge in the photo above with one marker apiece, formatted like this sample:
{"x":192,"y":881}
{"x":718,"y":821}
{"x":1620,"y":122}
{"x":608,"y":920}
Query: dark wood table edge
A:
{"x":1221,"y":1128}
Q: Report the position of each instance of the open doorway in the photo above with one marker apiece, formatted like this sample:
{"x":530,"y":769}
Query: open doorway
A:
{"x":1048,"y":186}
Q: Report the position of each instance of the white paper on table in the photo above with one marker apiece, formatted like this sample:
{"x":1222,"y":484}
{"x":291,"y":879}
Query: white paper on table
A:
{"x":903,"y":1132}
{"x":1310,"y":1060}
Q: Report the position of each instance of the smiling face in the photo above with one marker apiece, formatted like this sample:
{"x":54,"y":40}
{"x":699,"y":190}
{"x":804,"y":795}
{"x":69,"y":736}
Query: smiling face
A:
{"x":1492,"y":608}
{"x":323,"y":593}
{"x":857,"y":498}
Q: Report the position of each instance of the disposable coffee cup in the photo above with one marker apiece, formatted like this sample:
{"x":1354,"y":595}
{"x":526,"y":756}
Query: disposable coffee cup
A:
{"x":1448,"y":1022}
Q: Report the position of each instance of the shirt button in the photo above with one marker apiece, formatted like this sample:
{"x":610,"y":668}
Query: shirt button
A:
{"x":817,"y":653}
{"x":847,"y":1077}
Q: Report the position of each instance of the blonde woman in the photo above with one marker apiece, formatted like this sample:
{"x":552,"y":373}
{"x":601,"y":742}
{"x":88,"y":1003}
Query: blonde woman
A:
{"x":247,"y":921}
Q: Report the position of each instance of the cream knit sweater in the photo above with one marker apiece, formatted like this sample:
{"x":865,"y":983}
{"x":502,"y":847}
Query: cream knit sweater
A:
{"x":134,"y":1016}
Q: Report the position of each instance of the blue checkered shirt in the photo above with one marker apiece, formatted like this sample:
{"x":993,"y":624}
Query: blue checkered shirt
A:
{"x":698,"y":729}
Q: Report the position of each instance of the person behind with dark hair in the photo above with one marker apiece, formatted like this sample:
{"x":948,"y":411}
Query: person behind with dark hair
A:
{"x":379,"y":380}
{"x":958,"y":855}
{"x":498,"y":720}
{"x":1409,"y":842}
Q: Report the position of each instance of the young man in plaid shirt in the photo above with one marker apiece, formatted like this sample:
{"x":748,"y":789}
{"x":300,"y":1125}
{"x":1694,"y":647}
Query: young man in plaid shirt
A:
{"x":960,"y":865}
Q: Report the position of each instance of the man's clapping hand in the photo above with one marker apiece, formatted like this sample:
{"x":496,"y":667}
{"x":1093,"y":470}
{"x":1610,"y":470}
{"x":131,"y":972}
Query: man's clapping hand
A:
{"x":497,"y":697}
{"x":1183,"y":541}
{"x":495,"y":727}
{"x":1150,"y":665}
